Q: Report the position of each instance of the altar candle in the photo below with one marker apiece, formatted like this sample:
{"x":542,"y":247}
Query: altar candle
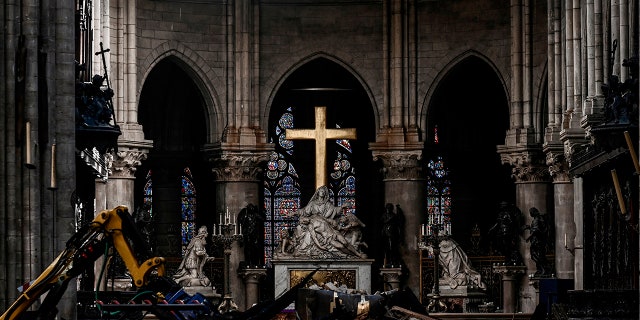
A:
{"x":27,"y":143}
{"x":54,"y":183}
{"x":565,"y":240}
{"x":616,"y":184}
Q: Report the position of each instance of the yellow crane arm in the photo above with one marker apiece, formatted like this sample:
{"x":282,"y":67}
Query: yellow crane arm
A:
{"x":107,"y":226}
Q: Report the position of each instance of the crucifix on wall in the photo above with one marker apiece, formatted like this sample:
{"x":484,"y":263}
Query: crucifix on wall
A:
{"x":320,"y":134}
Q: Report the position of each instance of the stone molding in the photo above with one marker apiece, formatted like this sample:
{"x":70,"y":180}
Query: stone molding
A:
{"x":400,"y":164}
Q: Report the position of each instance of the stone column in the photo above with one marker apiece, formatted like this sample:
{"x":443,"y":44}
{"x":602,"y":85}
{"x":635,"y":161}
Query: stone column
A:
{"x":238,"y":175}
{"x":391,"y":277}
{"x":119,"y":189}
{"x":532,"y":190}
{"x":511,"y":276}
{"x":404,"y":185}
{"x":565,"y":228}
{"x":121,"y":180}
{"x":252,"y":278}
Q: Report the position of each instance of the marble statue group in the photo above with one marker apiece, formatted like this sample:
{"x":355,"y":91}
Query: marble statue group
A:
{"x":324,"y":231}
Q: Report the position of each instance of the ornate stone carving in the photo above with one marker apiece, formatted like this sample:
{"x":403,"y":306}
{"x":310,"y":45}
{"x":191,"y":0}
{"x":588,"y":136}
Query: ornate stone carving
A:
{"x":528,"y":166}
{"x":400,"y":165}
{"x":324,"y":231}
{"x":125,"y":161}
{"x":239,"y":166}
{"x":558,"y":167}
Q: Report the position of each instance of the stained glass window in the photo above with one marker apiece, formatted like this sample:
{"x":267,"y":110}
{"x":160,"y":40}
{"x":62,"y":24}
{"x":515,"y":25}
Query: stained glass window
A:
{"x":282,"y":187}
{"x":188,"y":206}
{"x":438,"y":192}
{"x":148,"y":194}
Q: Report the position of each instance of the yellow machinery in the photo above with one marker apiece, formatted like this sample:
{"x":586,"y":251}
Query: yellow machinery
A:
{"x":110,"y":227}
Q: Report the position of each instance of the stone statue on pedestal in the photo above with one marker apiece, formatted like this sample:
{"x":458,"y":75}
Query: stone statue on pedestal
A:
{"x":190,"y":272}
{"x":456,"y":266}
{"x":324,"y":231}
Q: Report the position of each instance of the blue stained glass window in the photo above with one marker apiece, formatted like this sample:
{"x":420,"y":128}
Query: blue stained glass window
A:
{"x":188,"y":198}
{"x":438,"y":195}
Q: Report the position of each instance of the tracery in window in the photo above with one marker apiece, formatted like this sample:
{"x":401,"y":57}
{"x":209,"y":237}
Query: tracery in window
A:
{"x":438,"y":192}
{"x":188,"y":208}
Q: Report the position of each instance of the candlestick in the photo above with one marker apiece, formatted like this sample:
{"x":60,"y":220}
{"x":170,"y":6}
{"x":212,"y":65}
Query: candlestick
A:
{"x":634,"y":156}
{"x":27,"y":145}
{"x":616,"y":184}
{"x":54,"y":183}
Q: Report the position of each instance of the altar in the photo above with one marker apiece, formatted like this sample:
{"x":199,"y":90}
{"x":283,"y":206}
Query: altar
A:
{"x":354,"y":274}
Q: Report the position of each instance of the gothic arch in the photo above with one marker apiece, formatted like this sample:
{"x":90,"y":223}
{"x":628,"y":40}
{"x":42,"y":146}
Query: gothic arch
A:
{"x":277,"y":84}
{"x":468,"y":102}
{"x":199,"y":71}
{"x":445,"y":71}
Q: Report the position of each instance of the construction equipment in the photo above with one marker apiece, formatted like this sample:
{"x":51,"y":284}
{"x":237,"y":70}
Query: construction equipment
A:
{"x":110,"y":228}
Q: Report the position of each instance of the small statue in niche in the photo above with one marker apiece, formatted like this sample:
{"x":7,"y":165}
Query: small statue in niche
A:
{"x":539,"y":237}
{"x":506,"y":233}
{"x":252,"y":222}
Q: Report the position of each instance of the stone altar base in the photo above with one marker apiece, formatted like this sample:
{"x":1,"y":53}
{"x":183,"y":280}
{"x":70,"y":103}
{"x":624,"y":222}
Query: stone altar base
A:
{"x":462,"y":299}
{"x":208,"y":292}
{"x":354,"y":274}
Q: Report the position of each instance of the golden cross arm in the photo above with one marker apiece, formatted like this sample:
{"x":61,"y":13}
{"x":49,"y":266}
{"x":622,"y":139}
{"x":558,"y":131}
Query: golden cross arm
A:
{"x":320,"y":134}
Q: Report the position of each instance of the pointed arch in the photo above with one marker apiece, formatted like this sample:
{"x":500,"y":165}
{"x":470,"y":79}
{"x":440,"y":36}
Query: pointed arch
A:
{"x":348,"y":105}
{"x":198,"y":70}
{"x":426,"y":102}
{"x":277,"y":84}
{"x":468,"y":104}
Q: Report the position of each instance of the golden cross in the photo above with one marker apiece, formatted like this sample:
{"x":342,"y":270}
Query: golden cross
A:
{"x":320,"y":134}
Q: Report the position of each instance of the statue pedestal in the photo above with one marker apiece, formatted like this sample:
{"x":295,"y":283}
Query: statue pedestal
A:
{"x":391,"y":277}
{"x":510,"y":278}
{"x":465,"y":299}
{"x":207,"y":292}
{"x":354,"y":274}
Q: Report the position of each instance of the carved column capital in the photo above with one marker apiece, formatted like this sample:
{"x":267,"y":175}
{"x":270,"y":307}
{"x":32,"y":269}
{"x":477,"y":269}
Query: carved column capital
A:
{"x":558,"y":167}
{"x":252,"y":275}
{"x":241,"y":166}
{"x":400,"y":164}
{"x":528,"y":165}
{"x":125,"y":162}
